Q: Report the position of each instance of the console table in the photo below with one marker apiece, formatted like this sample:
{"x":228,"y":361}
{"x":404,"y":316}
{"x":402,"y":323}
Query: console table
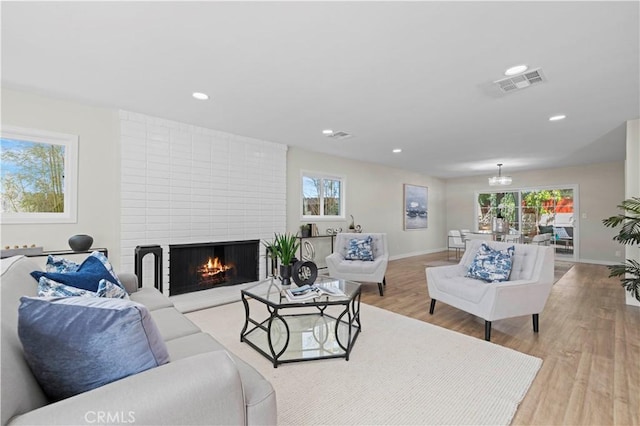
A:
{"x":302,"y":239}
{"x":67,"y":252}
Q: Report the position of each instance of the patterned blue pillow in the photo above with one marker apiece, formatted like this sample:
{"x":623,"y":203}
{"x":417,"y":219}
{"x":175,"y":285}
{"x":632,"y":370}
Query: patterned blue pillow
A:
{"x":491,"y":265}
{"x":75,"y":344}
{"x":50,"y":288}
{"x":60,"y":264}
{"x":360,"y":249}
{"x":96,"y":267}
{"x":561,"y":232}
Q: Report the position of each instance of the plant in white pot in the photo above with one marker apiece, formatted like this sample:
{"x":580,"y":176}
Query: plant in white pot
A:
{"x":629,"y":234}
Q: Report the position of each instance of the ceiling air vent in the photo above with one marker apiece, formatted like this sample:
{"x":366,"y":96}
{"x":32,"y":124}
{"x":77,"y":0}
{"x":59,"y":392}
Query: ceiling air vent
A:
{"x":520,"y":81}
{"x":340,"y":135}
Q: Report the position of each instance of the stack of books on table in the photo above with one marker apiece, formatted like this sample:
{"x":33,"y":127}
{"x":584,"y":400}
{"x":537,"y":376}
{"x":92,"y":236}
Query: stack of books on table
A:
{"x":307,"y":292}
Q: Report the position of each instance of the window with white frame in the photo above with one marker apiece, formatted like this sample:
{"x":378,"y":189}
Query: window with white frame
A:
{"x":322,"y":196}
{"x":38,"y":176}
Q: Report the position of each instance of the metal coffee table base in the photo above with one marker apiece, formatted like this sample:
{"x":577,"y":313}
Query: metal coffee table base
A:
{"x":304,"y":336}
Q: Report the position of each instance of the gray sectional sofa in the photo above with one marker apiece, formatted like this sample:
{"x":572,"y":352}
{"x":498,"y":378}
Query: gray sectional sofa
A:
{"x":202,"y":384}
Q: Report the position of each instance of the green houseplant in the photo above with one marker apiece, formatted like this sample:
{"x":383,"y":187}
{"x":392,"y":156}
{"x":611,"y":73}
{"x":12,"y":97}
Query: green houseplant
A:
{"x":284,"y":248}
{"x":305,"y":230}
{"x":629,"y":234}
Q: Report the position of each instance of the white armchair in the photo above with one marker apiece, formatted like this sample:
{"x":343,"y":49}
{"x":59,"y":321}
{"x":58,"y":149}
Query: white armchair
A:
{"x":525,"y":293}
{"x":360,"y":270}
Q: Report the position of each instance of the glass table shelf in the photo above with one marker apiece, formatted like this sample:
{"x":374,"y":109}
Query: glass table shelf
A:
{"x":292,"y":331}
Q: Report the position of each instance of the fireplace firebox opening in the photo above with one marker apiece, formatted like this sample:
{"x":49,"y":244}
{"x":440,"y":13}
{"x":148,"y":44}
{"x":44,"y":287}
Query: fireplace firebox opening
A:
{"x":202,"y":266}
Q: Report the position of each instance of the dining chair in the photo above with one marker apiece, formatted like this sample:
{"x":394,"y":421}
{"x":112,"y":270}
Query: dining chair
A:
{"x":455,"y":242}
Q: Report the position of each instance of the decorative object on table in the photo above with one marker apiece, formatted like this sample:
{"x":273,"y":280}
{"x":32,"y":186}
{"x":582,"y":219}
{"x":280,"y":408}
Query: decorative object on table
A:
{"x":285,"y":247}
{"x":353,"y":227}
{"x":305,"y":230}
{"x":415,"y":207}
{"x":309,"y":251}
{"x":80,"y":242}
{"x":333,"y":231}
{"x":304,"y":272}
{"x":311,"y":291}
{"x":31,"y":250}
{"x":499,"y":225}
{"x":629,"y":235}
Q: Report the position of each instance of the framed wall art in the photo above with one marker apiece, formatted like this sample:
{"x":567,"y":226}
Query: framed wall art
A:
{"x":415,"y":207}
{"x":38,"y":176}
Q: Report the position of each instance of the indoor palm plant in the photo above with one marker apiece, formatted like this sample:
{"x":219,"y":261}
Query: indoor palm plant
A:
{"x":284,"y":247}
{"x":629,"y":234}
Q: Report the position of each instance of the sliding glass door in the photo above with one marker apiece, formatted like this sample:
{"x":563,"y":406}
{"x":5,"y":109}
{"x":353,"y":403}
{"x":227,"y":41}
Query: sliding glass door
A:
{"x":534,"y":211}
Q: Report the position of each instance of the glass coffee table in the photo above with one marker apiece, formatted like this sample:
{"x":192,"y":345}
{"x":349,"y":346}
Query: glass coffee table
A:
{"x":283,"y":331}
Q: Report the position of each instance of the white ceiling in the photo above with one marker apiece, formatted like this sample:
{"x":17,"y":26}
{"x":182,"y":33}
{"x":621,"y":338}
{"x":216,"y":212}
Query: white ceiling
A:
{"x":410,"y":75}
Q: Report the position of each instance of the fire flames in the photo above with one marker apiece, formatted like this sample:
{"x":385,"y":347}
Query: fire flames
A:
{"x":213,"y":269}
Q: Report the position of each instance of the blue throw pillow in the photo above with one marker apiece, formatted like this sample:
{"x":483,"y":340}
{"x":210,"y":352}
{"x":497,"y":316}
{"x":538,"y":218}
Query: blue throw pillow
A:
{"x":562,"y":233}
{"x":491,"y":265}
{"x":76,"y":344}
{"x":96,"y":267}
{"x":360,"y":249}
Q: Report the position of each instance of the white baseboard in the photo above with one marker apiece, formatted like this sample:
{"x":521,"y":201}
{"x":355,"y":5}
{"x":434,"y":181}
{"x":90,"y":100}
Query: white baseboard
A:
{"x":597,"y":262}
{"x":416,"y":253}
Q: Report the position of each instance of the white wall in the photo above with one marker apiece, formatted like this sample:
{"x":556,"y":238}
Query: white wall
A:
{"x":632,"y":182}
{"x":98,"y":170}
{"x":601,"y":188}
{"x":374,"y":196}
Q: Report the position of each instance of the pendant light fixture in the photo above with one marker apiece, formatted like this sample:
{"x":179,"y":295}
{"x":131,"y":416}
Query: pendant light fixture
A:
{"x":500,"y":180}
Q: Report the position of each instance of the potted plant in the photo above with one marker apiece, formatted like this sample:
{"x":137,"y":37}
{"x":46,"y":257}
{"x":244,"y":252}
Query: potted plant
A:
{"x":629,"y":234}
{"x":285,"y":247}
{"x":305,"y":230}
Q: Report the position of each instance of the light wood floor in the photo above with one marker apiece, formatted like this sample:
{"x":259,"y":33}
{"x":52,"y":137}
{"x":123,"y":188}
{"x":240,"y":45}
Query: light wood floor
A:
{"x":589,"y":342}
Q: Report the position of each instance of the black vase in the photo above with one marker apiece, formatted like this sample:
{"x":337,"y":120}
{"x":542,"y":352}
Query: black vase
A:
{"x":80,"y":242}
{"x":285,"y":274}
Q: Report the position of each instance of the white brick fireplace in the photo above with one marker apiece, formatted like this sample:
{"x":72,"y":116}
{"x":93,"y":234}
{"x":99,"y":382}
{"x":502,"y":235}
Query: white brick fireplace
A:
{"x":187,"y":184}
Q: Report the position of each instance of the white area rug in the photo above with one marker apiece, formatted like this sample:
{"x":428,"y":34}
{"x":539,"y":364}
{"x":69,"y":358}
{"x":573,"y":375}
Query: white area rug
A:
{"x":401,"y":371}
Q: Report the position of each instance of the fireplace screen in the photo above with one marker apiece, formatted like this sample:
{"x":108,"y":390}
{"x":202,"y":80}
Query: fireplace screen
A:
{"x":201,"y":266}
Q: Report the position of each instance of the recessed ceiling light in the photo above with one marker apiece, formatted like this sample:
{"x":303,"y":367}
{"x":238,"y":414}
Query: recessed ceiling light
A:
{"x":200,"y":96}
{"x":516,"y":70}
{"x":397,"y":150}
{"x":557,"y":117}
{"x":327,"y":132}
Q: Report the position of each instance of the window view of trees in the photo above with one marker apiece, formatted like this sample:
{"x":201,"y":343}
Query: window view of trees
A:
{"x":321,"y":196}
{"x":32,"y":176}
{"x":538,"y":208}
{"x":499,"y":204}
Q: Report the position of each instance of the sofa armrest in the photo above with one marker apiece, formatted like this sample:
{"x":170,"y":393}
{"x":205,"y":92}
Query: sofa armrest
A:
{"x":129,"y":280}
{"x":202,"y":389}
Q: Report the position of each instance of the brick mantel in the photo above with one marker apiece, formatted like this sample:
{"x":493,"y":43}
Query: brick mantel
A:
{"x":187,"y":184}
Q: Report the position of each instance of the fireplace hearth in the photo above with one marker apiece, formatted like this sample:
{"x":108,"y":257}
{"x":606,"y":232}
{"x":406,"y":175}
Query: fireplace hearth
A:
{"x":202,"y":266}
